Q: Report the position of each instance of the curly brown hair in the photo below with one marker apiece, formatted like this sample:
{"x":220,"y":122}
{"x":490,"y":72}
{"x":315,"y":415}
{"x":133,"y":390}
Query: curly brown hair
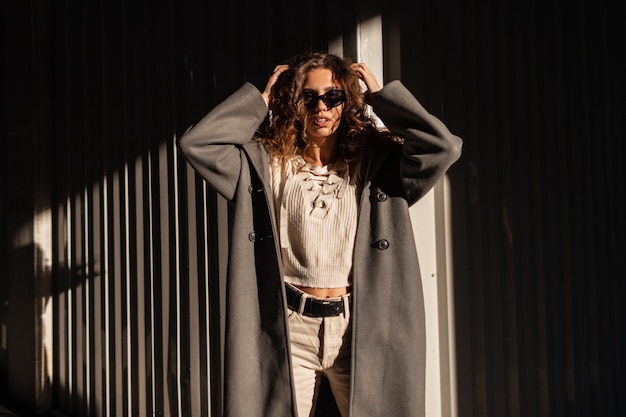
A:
{"x":283,"y":131}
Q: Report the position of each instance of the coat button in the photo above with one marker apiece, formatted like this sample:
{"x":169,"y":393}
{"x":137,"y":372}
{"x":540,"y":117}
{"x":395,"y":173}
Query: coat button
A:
{"x":250,"y":188}
{"x":383,"y":244}
{"x":381,"y":196}
{"x":252,"y":236}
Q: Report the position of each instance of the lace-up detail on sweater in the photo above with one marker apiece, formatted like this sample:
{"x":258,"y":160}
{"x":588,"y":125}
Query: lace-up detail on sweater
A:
{"x":323,"y":186}
{"x":317,"y":215}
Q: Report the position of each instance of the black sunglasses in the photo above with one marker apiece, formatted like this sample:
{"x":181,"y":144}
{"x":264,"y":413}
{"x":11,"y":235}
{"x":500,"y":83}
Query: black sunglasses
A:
{"x":331,"y":98}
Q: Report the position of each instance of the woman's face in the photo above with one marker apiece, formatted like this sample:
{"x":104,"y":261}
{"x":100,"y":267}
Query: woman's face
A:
{"x":323,"y":119}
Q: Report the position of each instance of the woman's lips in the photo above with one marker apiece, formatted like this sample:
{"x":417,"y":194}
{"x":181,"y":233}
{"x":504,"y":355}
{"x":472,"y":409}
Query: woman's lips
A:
{"x":321,"y":121}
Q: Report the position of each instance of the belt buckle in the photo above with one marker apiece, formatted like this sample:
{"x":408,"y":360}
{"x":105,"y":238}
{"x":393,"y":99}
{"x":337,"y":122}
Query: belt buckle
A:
{"x":336,"y":305}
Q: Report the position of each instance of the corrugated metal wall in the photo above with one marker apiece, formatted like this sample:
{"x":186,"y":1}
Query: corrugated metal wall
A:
{"x":140,"y":241}
{"x":540,"y":90}
{"x":96,"y":94}
{"x":137,"y":235}
{"x":132,"y":312}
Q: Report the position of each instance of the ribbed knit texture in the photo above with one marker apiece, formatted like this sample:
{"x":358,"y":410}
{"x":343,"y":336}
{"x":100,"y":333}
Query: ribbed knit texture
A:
{"x":316,"y":210}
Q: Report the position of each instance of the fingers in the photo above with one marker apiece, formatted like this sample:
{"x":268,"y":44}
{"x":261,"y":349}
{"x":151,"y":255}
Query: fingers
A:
{"x":279,"y":69}
{"x":267,"y":92}
{"x":367,"y":76}
{"x":362,"y":70}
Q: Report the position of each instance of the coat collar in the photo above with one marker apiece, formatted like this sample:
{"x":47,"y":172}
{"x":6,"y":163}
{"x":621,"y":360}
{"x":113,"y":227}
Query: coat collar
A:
{"x":260,"y":160}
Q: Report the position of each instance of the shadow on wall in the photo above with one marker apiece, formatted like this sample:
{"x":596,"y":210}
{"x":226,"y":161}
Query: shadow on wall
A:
{"x":27,"y":351}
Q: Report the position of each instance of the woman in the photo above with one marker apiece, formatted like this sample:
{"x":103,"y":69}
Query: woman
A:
{"x":323,"y":274}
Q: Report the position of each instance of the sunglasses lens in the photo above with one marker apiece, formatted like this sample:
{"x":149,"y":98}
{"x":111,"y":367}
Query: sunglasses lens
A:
{"x":310,"y":99}
{"x":332,"y":98}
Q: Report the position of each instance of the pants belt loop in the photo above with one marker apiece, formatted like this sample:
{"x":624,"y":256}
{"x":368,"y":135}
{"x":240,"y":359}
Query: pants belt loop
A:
{"x":303,"y":297}
{"x":346,"y":305}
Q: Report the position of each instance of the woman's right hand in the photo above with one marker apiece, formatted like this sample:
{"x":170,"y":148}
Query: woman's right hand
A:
{"x":267,"y":92}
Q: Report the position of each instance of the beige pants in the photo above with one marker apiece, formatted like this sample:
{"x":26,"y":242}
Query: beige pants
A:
{"x":320,"y":345}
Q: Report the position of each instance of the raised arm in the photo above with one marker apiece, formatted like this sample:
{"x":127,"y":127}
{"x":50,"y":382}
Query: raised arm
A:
{"x":212,"y":145}
{"x":429,"y":148}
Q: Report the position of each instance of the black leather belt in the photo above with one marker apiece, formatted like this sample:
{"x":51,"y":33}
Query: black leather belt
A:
{"x":315,"y":307}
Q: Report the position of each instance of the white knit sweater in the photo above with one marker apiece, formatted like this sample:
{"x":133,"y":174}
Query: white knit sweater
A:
{"x":316,"y":209}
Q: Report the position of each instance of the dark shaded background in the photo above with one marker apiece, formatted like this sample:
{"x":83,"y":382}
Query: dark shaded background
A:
{"x":535,"y":89}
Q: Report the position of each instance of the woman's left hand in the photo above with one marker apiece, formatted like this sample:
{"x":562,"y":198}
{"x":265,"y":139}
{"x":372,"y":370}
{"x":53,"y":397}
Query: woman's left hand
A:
{"x":368,"y":77}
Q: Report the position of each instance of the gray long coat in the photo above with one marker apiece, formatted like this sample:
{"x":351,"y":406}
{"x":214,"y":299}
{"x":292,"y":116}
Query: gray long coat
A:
{"x":389,"y":345}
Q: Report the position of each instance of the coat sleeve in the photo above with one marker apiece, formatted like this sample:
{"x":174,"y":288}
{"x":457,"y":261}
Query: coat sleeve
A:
{"x":429,"y":148}
{"x":213,"y":145}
